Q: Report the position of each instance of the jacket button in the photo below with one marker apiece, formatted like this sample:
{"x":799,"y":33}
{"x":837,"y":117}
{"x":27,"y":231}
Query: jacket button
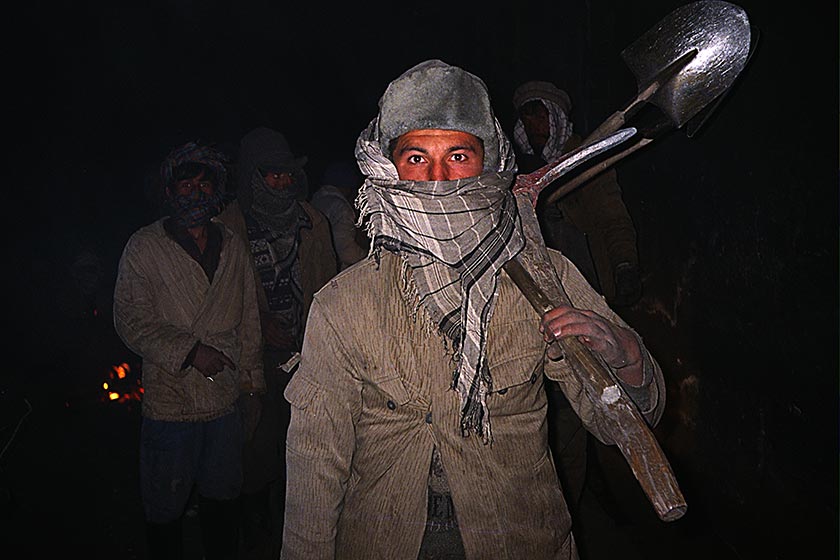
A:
{"x":428,"y":418}
{"x":503,"y":391}
{"x":392,"y":405}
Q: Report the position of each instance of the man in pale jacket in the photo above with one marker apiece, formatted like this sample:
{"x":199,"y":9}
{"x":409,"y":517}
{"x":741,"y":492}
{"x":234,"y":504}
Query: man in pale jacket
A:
{"x":185,"y":302}
{"x":418,"y":422}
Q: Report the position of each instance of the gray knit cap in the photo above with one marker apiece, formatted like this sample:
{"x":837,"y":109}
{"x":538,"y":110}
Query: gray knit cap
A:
{"x":435,"y":95}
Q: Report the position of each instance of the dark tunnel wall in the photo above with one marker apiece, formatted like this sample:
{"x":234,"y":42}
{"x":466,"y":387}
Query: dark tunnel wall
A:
{"x":738,"y":237}
{"x":737,"y":225}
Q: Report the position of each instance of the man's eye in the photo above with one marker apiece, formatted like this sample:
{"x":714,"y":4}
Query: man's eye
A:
{"x":459,"y":157}
{"x":415,"y":159}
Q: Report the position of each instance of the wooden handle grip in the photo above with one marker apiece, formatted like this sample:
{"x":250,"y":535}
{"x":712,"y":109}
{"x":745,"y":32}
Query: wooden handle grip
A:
{"x":534,"y":274}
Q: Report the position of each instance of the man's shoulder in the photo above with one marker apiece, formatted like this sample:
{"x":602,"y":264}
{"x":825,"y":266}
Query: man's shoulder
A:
{"x":361,"y":281}
{"x":330,"y":202}
{"x":320,"y":234}
{"x":232,"y":217}
{"x":147,"y":243}
{"x":325,"y":193}
{"x":148,"y":233}
{"x":316,"y":215}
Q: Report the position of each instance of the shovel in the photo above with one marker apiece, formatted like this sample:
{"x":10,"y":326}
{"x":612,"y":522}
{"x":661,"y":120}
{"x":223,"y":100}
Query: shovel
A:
{"x":682,"y":64}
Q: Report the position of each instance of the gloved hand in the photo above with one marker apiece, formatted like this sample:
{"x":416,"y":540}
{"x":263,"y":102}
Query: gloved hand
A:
{"x":250,"y":408}
{"x":628,"y":284}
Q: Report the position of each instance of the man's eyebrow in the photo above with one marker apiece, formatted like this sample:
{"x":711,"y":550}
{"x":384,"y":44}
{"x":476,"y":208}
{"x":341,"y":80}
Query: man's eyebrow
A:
{"x":410,"y":148}
{"x":468,"y":147}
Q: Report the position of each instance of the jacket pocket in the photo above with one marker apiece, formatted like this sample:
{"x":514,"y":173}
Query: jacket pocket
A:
{"x":300,"y":392}
{"x":514,"y":372}
{"x":517,"y":356}
{"x":396,"y":363}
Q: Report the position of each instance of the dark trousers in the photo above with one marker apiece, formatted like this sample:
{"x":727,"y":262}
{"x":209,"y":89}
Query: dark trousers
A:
{"x":264,"y":466}
{"x":219,"y":533}
{"x":442,"y":538}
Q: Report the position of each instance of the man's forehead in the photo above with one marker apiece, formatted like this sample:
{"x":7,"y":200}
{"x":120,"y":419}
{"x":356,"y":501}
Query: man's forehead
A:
{"x":533,"y":107}
{"x":439,"y":136}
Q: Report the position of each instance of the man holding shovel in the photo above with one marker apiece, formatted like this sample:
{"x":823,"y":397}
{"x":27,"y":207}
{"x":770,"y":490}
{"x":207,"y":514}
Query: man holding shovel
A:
{"x":418,"y":413}
{"x":592,"y":220}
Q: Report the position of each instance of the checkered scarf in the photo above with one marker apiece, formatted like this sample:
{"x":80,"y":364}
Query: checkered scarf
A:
{"x":560,"y":129}
{"x":197,"y":208}
{"x":454,"y":237}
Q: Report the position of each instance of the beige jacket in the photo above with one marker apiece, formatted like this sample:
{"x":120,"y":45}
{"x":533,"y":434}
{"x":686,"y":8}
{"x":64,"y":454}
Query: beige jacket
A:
{"x":372,"y":398}
{"x":164,"y":304}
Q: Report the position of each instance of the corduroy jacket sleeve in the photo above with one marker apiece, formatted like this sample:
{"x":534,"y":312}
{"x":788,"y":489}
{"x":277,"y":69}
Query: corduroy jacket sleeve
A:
{"x":326,"y":400}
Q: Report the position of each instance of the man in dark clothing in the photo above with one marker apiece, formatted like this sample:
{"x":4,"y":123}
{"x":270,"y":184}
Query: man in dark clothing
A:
{"x":590,"y":225}
{"x":291,"y":258}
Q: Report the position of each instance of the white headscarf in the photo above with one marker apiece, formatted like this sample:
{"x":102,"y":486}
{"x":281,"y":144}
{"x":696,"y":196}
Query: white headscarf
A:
{"x":560,"y":130}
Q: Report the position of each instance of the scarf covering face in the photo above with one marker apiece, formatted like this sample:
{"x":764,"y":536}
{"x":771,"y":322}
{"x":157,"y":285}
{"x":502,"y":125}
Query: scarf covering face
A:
{"x":197,"y":208}
{"x":275,"y":220}
{"x":264,"y":150}
{"x":454,"y":238}
{"x":277,"y":208}
{"x":560,"y":129}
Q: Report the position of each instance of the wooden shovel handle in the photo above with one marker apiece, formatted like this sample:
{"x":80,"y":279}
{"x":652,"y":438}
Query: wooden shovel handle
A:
{"x":534,"y":274}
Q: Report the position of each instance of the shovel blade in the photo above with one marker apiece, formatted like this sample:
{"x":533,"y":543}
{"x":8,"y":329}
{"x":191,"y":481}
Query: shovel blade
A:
{"x":720,"y":32}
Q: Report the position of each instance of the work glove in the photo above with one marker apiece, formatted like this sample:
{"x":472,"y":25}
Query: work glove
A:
{"x":628,"y":284}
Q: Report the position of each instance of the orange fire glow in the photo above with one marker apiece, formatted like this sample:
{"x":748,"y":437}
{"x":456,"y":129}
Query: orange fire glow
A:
{"x":121,"y":386}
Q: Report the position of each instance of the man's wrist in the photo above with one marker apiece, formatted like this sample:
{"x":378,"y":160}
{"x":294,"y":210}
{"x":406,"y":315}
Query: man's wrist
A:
{"x":188,"y":361}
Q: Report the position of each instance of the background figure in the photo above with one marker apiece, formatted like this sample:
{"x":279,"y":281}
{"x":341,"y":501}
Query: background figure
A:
{"x":592,"y":227}
{"x":334,"y":198}
{"x":184,"y":302}
{"x":291,"y":258}
{"x":592,"y":215}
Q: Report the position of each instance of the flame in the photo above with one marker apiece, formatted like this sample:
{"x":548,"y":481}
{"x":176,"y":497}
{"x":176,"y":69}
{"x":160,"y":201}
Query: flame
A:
{"x":121,"y":387}
{"x":121,"y":370}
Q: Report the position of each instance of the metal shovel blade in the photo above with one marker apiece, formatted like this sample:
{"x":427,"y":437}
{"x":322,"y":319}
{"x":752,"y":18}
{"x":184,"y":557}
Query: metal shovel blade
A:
{"x":719,"y":31}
